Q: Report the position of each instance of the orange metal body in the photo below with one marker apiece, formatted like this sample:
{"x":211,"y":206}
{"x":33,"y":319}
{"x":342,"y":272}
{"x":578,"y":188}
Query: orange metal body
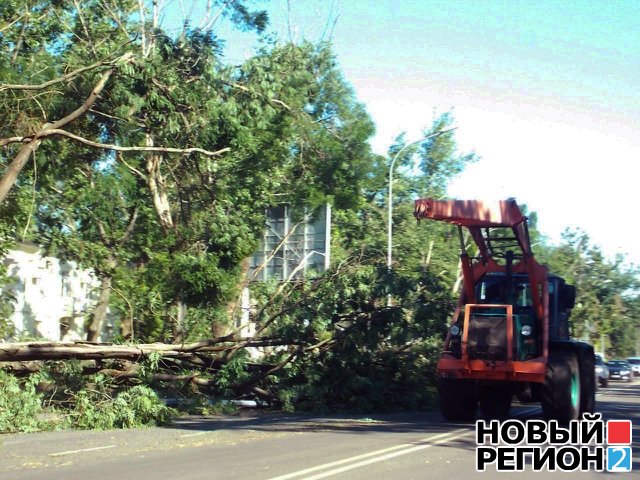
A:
{"x":475,"y":216}
{"x":532,"y":370}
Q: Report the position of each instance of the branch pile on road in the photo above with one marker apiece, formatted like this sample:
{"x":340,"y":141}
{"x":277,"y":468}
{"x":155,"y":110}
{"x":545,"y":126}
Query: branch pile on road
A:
{"x":199,"y":365}
{"x":352,"y":363}
{"x":324,"y":345}
{"x":46,"y":385}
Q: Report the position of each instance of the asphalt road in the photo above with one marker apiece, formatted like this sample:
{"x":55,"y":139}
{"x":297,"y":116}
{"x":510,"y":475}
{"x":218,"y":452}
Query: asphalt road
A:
{"x":285,"y":447}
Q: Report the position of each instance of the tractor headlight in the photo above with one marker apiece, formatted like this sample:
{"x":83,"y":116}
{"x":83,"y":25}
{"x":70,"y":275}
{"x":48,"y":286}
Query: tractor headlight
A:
{"x":455,"y":330}
{"x":526,"y":330}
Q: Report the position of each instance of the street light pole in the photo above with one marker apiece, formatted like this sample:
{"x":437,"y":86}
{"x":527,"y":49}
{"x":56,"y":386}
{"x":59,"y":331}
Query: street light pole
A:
{"x":390,"y":198}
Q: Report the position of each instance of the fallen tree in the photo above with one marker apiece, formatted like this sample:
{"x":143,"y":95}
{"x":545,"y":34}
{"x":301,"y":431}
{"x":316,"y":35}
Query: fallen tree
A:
{"x":27,"y":351}
{"x":326,"y":343}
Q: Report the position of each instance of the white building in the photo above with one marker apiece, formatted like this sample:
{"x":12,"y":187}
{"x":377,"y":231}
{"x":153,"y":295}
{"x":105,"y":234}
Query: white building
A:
{"x":52,"y":297}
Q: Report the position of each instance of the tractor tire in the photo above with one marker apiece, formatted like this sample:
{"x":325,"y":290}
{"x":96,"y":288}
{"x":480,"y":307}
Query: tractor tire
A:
{"x":495,"y":401}
{"x":458,"y":399}
{"x":561,"y":395}
{"x":587,"y":365}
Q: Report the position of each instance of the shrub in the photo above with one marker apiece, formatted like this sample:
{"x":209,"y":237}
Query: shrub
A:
{"x":20,"y":404}
{"x":138,"y":406}
{"x":76,"y":401}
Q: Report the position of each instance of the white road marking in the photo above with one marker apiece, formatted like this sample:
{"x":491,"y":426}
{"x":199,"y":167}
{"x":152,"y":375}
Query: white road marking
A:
{"x":193,"y":434}
{"x":383,"y":454}
{"x":71,"y":452}
{"x":387,"y":453}
{"x":384,"y":457}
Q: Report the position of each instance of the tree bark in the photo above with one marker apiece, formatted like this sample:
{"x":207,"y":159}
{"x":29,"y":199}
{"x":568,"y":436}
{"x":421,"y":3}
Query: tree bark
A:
{"x":27,"y":351}
{"x":13,"y":170}
{"x":178,"y":323}
{"x":157,"y":188}
{"x":126,"y":324}
{"x":15,"y":167}
{"x":100,"y":312}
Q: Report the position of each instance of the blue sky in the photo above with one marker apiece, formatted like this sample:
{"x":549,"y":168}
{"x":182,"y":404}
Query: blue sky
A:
{"x":545,"y":92}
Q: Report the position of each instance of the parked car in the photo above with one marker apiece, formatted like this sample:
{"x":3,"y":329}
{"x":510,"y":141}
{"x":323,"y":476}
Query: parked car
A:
{"x":602,"y":371}
{"x":619,"y":370}
{"x":635,"y":365}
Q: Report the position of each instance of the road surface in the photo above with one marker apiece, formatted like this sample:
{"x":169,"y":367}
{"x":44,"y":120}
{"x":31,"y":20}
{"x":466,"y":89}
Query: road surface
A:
{"x":285,"y":447}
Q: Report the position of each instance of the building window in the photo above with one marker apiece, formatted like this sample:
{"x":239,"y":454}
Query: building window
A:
{"x":294,"y":243}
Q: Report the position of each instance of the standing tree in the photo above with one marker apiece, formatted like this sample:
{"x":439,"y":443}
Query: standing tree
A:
{"x":606,"y":293}
{"x":282,"y":127}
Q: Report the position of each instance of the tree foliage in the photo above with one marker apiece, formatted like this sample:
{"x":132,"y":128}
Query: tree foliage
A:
{"x":607,"y":294}
{"x":170,"y":227}
{"x":353,"y":351}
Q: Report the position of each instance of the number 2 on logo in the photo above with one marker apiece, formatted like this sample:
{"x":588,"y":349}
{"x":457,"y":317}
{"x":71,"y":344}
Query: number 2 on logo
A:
{"x":619,"y":459}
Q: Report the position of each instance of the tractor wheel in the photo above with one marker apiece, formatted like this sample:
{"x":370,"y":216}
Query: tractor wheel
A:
{"x":587,"y":367}
{"x":561,"y":391}
{"x":495,"y":400}
{"x":458,"y":399}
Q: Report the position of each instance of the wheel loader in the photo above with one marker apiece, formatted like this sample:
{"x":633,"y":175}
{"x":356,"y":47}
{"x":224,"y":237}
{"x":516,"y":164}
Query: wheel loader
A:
{"x":510,"y":332}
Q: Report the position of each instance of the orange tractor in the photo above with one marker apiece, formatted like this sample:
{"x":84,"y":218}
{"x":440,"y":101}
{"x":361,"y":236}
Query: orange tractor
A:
{"x":510,"y":330}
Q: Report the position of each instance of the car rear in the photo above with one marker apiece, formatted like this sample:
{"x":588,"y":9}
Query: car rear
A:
{"x":619,"y":370}
{"x":635,"y":365}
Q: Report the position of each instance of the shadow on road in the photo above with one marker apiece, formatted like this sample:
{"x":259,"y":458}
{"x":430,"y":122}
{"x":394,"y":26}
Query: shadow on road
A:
{"x":405,"y":422}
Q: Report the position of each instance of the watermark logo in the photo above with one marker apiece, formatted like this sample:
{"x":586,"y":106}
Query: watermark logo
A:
{"x":584,"y":445}
{"x":619,"y":456}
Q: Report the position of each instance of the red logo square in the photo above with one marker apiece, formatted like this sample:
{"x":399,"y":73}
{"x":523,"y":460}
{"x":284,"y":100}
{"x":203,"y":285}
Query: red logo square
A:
{"x":619,"y":432}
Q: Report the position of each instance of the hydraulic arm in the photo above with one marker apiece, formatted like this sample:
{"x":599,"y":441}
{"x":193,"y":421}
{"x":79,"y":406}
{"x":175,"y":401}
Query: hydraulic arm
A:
{"x":483,"y":220}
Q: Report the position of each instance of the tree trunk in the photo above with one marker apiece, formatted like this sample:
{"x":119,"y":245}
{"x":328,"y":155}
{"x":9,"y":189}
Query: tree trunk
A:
{"x":15,"y":167}
{"x":178,"y":323}
{"x":157,"y":188}
{"x":234,"y":308}
{"x":126,"y":328}
{"x":456,"y":285}
{"x":218,"y":329}
{"x":428,"y":259}
{"x":100,"y":312}
{"x":29,"y":351}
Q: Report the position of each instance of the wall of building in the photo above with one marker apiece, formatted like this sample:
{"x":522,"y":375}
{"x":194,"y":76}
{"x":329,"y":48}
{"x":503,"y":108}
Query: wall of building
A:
{"x":53,"y":297}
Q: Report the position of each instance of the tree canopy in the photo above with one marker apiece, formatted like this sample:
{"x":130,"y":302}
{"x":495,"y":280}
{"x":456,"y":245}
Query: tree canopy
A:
{"x":151,"y":151}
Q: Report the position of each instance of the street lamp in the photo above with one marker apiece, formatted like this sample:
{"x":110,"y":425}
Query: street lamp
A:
{"x":390,"y":197}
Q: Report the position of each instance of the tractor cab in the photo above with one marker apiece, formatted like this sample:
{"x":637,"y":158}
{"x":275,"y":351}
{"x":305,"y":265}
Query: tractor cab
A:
{"x":501,"y":300}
